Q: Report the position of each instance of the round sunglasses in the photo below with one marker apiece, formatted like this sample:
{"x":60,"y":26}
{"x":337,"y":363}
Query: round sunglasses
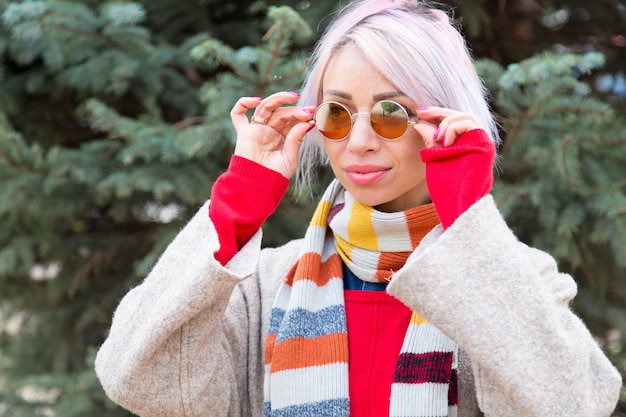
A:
{"x":389,"y":119}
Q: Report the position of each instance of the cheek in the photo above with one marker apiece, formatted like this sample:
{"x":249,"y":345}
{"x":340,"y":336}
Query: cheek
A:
{"x":414,"y":170}
{"x":412,"y":165}
{"x":413,"y":144}
{"x":332,"y":151}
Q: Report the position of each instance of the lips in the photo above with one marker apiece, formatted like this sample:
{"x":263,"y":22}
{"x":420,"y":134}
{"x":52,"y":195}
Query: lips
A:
{"x":365,"y":174}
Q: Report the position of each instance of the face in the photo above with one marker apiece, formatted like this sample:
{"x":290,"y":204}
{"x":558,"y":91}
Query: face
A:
{"x":386,"y":174}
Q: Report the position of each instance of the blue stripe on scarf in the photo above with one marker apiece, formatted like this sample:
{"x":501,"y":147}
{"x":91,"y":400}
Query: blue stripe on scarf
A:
{"x":329,"y":408}
{"x":304,"y":323}
{"x":275,"y":318}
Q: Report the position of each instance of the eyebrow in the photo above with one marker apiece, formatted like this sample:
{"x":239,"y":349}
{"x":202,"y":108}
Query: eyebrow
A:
{"x":377,"y":97}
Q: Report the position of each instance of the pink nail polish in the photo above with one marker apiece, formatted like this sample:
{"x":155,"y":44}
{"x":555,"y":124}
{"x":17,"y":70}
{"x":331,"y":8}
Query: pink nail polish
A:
{"x":307,"y":111}
{"x":310,"y":127}
{"x":422,"y":108}
{"x":436,"y":134}
{"x":294,"y":93}
{"x":257,"y":98}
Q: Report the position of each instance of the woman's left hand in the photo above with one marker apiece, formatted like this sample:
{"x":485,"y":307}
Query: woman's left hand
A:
{"x":448,"y":125}
{"x":457,"y":176}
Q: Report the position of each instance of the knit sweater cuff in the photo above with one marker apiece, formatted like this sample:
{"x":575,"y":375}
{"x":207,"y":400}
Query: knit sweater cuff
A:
{"x":459,"y":175}
{"x":242,"y":198}
{"x":265,"y":177}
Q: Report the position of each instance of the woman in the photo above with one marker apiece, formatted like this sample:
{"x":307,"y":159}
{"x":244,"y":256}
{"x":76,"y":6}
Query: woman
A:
{"x":379,"y":310}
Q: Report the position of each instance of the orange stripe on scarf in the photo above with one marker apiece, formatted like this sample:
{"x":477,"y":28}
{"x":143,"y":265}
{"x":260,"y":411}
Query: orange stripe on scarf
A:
{"x":428,"y":219}
{"x":310,"y":267}
{"x":390,"y":262}
{"x":301,"y":352}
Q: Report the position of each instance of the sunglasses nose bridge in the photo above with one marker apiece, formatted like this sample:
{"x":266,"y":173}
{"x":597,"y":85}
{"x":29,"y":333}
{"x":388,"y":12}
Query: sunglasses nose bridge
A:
{"x":354,"y":115}
{"x":363,"y":113}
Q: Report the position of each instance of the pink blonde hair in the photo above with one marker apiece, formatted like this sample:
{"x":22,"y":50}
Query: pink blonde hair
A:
{"x":416,"y":46}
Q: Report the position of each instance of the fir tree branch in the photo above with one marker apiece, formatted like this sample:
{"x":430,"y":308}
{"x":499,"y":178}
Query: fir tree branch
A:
{"x":5,"y":155}
{"x":69,"y":17}
{"x":97,"y":34}
{"x":612,"y":142}
{"x":512,"y":132}
{"x":291,"y":73}
{"x":532,"y":112}
{"x":190,"y":121}
{"x":564,"y":144}
{"x":91,"y":267}
{"x":591,"y":190}
{"x":597,"y":190}
{"x":275,"y":51}
{"x":19,"y":160}
{"x":241,"y":75}
{"x":587,"y":272}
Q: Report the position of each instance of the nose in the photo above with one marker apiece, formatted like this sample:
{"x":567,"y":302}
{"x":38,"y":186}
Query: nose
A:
{"x":362,"y":137}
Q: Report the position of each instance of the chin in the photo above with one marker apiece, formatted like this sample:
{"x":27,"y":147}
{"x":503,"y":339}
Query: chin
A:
{"x":369,"y":198}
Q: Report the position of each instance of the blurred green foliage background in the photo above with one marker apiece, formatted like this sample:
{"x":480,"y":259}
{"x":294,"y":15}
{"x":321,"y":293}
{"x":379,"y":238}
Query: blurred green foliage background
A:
{"x":114,"y":123}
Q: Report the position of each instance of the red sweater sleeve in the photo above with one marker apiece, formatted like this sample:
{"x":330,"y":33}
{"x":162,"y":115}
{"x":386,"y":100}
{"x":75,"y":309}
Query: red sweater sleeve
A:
{"x":459,"y":175}
{"x":242,"y":198}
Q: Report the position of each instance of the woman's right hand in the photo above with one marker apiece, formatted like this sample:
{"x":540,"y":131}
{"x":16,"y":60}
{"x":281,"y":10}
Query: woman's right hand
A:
{"x":274,"y":135}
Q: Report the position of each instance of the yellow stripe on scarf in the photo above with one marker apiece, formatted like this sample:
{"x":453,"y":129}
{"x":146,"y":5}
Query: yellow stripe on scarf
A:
{"x":417,"y":319}
{"x":321,"y":214}
{"x":361,"y":231}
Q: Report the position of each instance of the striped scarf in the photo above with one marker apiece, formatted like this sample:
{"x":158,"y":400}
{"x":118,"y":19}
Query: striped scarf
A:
{"x":306,"y":351}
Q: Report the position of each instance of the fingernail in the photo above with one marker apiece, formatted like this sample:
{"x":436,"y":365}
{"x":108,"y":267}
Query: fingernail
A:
{"x":436,"y":134}
{"x":307,"y":110}
{"x":257,"y":98}
{"x":295,"y":93}
{"x":310,"y":127}
{"x":422,"y":108}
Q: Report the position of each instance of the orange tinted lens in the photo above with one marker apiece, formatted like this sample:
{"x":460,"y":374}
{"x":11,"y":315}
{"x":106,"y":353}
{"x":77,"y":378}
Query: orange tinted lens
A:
{"x":333,"y":120}
{"x":389,"y":119}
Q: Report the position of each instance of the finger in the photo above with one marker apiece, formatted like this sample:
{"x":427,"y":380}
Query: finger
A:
{"x":426,"y":131}
{"x":238,"y":112}
{"x":434,"y":114}
{"x":454,"y":125}
{"x":285,"y":118}
{"x":270,"y":104}
{"x":456,"y":129}
{"x":439,"y":115}
{"x":451,"y":123}
{"x":293,"y":142}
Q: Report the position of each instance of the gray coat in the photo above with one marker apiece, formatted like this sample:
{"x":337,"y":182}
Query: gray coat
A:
{"x":189,"y":341}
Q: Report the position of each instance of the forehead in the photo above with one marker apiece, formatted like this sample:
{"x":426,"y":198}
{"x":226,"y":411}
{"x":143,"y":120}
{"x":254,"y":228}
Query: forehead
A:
{"x":350,"y":72}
